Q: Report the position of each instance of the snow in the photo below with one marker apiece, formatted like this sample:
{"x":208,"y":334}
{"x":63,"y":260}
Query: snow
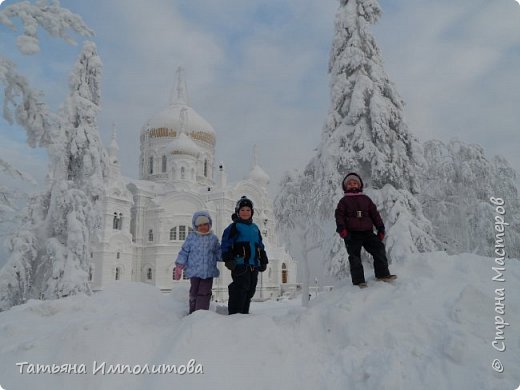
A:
{"x":432,"y":328}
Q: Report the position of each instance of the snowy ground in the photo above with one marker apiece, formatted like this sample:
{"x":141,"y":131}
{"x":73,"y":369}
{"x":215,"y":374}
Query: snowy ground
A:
{"x":433,"y":328}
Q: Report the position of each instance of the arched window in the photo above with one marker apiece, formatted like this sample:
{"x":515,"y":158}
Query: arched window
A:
{"x":117,"y":223}
{"x":90,"y":274}
{"x":150,"y":166}
{"x":149,"y":274}
{"x":163,"y":165}
{"x":150,"y":235}
{"x":118,"y":273}
{"x":205,"y":168}
{"x":182,"y":233}
{"x":183,"y":173}
{"x":284,"y":273}
{"x":173,"y":234}
{"x":118,"y":255}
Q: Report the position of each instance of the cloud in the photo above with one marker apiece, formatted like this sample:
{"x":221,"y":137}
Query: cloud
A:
{"x":455,"y":64}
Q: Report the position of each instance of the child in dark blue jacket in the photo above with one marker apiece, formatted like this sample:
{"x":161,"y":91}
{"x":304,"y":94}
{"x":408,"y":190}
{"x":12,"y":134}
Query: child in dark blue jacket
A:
{"x":244,"y":254}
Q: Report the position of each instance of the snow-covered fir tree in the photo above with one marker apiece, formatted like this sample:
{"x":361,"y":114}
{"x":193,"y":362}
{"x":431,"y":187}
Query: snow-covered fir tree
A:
{"x":80,"y":164}
{"x":365,"y":132}
{"x":49,"y":255}
{"x":459,"y":181}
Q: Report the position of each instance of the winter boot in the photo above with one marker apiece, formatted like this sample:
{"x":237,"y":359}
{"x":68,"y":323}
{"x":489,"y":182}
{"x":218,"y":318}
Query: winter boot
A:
{"x":387,"y":278}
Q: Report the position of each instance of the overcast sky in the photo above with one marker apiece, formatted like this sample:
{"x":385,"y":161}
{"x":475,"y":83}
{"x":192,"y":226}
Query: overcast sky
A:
{"x":257,"y":71}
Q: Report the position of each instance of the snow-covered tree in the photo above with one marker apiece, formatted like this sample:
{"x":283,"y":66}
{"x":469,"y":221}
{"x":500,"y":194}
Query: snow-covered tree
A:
{"x":459,"y":182}
{"x":366,"y":132}
{"x":9,"y":196}
{"x":14,"y":186}
{"x":50,"y":254}
{"x":80,"y":164}
{"x":303,"y":235}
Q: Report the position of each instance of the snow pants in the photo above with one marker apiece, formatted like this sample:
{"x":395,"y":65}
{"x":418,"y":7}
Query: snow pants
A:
{"x":200,"y":293}
{"x":368,"y":240}
{"x":242,"y":289}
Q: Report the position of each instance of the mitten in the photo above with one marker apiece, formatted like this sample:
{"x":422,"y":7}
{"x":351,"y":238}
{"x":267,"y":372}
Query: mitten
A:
{"x":178,"y":271}
{"x":381,"y":235}
{"x":343,"y":233}
{"x":230,"y":265}
{"x":227,"y":256}
{"x":263,"y":259}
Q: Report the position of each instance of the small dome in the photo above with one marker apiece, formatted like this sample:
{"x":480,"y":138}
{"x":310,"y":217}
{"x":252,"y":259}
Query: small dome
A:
{"x":258,"y":175}
{"x":182,"y":144}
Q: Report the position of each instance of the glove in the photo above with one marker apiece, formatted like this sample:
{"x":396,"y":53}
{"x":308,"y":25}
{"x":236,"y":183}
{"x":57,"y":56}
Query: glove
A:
{"x":263,"y":261}
{"x":228,"y":256}
{"x":381,"y":236}
{"x":230,"y":265}
{"x":178,"y":271}
{"x":343,"y":233}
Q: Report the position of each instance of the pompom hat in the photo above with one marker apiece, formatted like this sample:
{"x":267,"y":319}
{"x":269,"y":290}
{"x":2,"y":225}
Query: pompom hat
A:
{"x":244,"y":202}
{"x":352,"y":176}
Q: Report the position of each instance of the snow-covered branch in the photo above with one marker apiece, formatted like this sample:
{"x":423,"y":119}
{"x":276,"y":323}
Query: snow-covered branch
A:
{"x":51,"y":17}
{"x":25,"y":105}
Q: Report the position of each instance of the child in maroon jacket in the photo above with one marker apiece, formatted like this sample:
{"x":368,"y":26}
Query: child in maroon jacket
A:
{"x":356,"y":215}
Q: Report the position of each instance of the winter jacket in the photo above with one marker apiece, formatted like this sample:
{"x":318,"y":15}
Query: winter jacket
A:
{"x":357,"y":212}
{"x":242,"y":243}
{"x":200,"y":252}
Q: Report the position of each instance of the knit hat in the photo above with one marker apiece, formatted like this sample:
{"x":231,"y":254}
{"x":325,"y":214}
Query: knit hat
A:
{"x":201,"y":220}
{"x":352,"y":176}
{"x":244,"y":202}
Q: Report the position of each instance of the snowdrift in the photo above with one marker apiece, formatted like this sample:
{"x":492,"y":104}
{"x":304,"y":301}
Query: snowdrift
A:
{"x":433,"y":328}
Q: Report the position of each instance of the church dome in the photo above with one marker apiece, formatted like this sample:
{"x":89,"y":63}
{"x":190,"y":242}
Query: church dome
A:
{"x":178,"y":118}
{"x":182,"y":144}
{"x":258,"y":175}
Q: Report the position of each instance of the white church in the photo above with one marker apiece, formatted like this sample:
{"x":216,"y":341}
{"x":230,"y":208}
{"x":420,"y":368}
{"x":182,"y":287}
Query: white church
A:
{"x":146,"y":221}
